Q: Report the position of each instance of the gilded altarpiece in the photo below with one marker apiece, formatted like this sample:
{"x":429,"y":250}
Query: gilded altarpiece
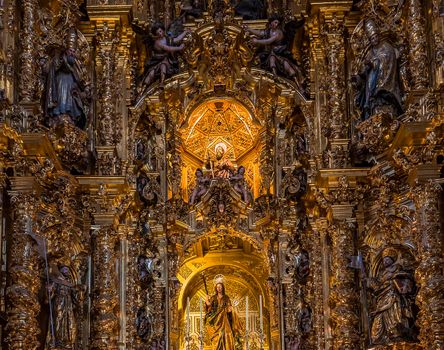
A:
{"x":248,"y":174}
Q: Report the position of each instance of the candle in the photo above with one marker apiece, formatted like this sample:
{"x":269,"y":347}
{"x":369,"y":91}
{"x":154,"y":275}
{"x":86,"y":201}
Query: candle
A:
{"x":246,"y":314}
{"x":201,"y":324}
{"x":246,"y":323}
{"x":261,"y":322}
{"x":260,"y":314}
{"x":188,"y":317}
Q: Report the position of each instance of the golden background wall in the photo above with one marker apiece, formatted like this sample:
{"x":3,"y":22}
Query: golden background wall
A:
{"x":291,"y":149}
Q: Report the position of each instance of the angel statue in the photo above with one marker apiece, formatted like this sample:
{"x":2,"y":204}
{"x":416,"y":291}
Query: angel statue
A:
{"x":276,"y":56}
{"x":239,"y":184}
{"x":378,"y":84}
{"x":393,"y":290}
{"x":202,"y":185}
{"x":162,"y":62}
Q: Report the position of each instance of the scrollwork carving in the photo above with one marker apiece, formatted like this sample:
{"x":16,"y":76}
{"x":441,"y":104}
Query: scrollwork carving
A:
{"x":334,"y":42}
{"x":106,"y":60}
{"x":429,"y":274}
{"x":417,"y":40}
{"x":105,"y":323}
{"x":24,"y":268}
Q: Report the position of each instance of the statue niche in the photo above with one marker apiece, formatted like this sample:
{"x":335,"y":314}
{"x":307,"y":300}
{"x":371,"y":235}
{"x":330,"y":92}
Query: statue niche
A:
{"x":393,"y":290}
{"x":378,"y":84}
{"x":378,"y":90}
{"x":67,"y":94}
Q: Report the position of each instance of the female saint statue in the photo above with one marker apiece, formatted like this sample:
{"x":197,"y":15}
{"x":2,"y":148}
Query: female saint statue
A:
{"x":221,"y":320}
{"x":65,"y":299}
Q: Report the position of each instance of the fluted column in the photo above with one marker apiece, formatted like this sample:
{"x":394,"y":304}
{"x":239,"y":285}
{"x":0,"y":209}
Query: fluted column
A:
{"x":28,"y":54}
{"x":429,"y":274}
{"x":418,"y":46}
{"x":105,"y":326}
{"x":22,"y":306}
{"x":344,"y":297}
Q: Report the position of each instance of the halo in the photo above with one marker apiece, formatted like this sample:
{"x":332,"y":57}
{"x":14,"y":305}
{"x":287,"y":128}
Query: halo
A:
{"x":221,"y":144}
{"x":219,"y":279}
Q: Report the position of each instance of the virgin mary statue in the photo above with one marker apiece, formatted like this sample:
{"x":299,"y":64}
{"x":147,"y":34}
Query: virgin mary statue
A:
{"x":221,"y":320}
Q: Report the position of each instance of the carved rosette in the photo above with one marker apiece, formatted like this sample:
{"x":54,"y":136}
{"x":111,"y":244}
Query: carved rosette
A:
{"x":344,"y":300}
{"x":105,"y":300}
{"x":429,"y":273}
{"x":23,"y":305}
{"x":418,"y":45}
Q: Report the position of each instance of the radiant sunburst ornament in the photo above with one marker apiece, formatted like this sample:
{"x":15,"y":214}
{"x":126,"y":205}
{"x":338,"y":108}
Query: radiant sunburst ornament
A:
{"x":219,"y":279}
{"x":220,"y":144}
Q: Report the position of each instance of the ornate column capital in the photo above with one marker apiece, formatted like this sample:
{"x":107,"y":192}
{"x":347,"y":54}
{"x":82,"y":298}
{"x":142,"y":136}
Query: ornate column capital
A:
{"x":107,"y":198}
